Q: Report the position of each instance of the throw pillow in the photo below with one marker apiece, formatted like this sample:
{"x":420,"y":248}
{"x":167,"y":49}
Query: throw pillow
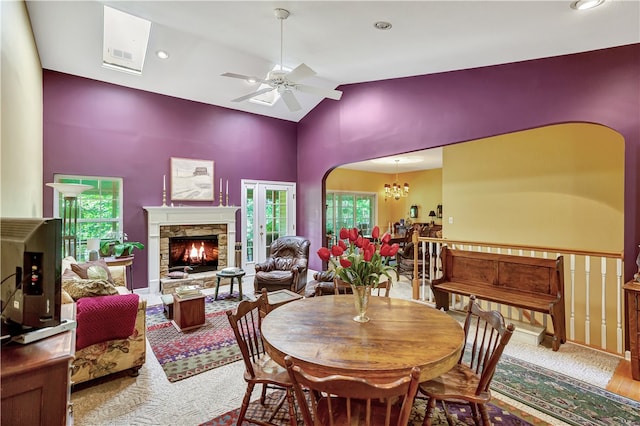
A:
{"x":82,"y":269}
{"x":65,"y":298}
{"x":88,"y":288}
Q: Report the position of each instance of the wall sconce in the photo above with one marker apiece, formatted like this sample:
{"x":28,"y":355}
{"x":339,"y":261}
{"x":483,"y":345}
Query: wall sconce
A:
{"x":432,"y":215}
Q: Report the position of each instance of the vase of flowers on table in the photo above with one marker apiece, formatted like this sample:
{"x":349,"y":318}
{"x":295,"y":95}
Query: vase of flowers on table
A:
{"x":360,"y":262}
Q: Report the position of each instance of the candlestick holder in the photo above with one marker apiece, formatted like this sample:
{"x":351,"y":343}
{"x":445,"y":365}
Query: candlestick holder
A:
{"x":164,"y":198}
{"x":227,"y":199}
{"x":220,"y":200}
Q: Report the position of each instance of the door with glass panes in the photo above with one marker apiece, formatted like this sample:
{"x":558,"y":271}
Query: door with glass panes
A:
{"x":268,"y":213}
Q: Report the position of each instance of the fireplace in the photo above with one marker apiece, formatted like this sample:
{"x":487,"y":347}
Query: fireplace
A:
{"x":192,"y":222}
{"x":200,"y":254}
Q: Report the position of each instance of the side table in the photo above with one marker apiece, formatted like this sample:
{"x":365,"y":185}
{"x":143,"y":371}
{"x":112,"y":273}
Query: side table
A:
{"x":280,"y":297}
{"x":188,"y":313}
{"x":127,"y":262}
{"x":237,"y":274}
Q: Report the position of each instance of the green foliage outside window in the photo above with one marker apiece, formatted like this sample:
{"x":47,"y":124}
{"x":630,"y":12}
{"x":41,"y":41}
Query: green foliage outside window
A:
{"x":100,"y":208}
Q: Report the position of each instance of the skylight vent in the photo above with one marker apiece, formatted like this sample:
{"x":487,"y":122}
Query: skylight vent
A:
{"x":125,"y":41}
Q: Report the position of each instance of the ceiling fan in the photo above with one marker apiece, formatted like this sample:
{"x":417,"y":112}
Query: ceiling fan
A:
{"x":286,"y":82}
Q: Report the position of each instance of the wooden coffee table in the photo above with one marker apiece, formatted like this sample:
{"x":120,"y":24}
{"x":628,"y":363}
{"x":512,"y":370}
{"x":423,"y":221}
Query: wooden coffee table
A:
{"x":188,"y":313}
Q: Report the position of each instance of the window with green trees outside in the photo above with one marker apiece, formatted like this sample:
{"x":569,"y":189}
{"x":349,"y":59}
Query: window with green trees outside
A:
{"x":99,"y":209}
{"x":350,"y":210}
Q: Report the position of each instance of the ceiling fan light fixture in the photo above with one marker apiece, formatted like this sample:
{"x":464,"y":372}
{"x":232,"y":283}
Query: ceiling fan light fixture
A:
{"x":586,"y":4}
{"x":282,"y":82}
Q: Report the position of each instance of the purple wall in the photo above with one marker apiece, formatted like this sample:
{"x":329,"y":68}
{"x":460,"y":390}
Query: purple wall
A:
{"x":402,"y":115}
{"x":100,"y":129}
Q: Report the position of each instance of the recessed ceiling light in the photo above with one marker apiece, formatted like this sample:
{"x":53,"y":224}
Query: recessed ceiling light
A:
{"x":382,"y":25}
{"x":586,"y":4}
{"x":162,"y":54}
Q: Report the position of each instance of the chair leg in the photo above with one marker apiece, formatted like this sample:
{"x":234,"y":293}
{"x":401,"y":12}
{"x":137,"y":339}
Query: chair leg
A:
{"x":292,"y":412}
{"x":449,"y":417}
{"x":428,"y":415}
{"x":245,"y":403}
{"x":485,"y":415}
{"x":475,"y":414}
{"x":263,"y":395}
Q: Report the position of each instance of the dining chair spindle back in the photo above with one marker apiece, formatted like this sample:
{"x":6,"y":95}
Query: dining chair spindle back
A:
{"x":486,"y":336}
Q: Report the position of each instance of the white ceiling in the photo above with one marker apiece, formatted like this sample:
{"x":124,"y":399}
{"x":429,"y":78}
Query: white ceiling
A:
{"x":335,"y":38}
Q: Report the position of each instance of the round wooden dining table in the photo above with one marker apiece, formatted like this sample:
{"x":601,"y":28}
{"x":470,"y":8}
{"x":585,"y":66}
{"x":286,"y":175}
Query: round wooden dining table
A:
{"x":321,"y":335}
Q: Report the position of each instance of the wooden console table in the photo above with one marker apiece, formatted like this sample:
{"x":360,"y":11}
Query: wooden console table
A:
{"x":632,"y":295}
{"x":35,"y":381}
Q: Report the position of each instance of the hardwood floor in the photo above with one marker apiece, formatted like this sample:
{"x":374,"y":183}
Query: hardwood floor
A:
{"x":622,"y":383}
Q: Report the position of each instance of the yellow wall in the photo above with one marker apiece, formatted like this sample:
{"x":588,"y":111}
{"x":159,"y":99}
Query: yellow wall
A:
{"x":21,"y":117}
{"x":554,"y":186}
{"x":425,"y":191}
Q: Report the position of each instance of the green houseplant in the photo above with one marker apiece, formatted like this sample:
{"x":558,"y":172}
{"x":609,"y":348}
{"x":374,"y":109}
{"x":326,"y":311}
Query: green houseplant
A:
{"x":119,"y":248}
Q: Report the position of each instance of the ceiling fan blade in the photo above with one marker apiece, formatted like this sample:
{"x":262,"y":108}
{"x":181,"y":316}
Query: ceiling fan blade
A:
{"x":243,"y":77}
{"x":290,"y":100}
{"x":252,"y":95}
{"x":327,"y":93}
{"x":300,"y":73}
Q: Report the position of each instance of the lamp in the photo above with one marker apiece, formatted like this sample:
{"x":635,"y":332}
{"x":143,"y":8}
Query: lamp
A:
{"x":93,"y":247}
{"x":70,"y":192}
{"x":432,"y":214}
{"x":396,"y":191}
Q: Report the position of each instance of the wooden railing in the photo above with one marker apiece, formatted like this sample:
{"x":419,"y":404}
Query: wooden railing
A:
{"x":594,"y":302}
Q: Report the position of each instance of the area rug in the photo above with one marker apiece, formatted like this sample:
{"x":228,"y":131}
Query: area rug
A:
{"x":183,"y":354}
{"x":501,"y":414}
{"x":563,"y":397}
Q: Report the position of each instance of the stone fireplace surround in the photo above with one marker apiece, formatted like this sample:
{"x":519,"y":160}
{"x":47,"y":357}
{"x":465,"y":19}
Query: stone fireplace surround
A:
{"x":187,"y":220}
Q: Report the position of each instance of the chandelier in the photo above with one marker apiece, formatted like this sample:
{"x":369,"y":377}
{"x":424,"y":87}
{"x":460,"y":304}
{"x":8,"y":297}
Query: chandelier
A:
{"x":394,"y":190}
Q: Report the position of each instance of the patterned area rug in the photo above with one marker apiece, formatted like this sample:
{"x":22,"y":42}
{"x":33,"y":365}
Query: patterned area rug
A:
{"x":565,"y":398}
{"x":501,"y":414}
{"x":185,"y":354}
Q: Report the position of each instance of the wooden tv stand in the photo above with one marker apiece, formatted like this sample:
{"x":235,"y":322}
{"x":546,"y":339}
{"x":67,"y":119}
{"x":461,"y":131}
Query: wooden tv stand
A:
{"x":35,"y":379}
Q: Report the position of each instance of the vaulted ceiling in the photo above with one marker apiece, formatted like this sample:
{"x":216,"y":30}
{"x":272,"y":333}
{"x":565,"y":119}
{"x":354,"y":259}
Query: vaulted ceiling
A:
{"x":337,"y":39}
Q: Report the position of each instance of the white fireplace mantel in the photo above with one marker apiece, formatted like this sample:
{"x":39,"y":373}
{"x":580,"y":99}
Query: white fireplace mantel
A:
{"x":184,"y":215}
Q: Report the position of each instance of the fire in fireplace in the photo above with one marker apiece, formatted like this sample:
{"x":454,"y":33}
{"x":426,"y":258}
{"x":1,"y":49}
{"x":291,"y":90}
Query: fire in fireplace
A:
{"x":199,"y":253}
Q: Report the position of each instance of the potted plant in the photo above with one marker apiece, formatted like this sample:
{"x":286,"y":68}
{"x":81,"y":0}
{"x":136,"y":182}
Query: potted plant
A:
{"x":119,"y":247}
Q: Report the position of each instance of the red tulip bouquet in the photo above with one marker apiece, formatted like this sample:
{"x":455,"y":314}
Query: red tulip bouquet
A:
{"x":360,"y":261}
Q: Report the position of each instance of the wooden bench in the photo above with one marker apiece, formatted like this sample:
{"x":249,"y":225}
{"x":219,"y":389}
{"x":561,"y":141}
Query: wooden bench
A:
{"x":529,"y":283}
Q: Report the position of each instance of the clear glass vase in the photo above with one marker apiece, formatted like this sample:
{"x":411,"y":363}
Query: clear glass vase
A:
{"x":361,"y":295}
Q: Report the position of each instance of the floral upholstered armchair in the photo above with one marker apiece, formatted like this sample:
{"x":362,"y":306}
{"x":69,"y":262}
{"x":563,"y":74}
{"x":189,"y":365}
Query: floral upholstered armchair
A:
{"x":111,"y":321}
{"x":286,"y":266}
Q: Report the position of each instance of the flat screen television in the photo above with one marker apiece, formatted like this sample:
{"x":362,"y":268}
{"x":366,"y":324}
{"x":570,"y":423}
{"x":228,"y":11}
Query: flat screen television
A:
{"x":31,"y":258}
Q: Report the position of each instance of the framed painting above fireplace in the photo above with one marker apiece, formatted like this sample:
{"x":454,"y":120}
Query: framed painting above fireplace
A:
{"x":191,"y":180}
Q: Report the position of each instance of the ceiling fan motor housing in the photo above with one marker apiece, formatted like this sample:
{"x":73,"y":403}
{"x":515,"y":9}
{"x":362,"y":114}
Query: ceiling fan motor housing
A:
{"x":281,"y":13}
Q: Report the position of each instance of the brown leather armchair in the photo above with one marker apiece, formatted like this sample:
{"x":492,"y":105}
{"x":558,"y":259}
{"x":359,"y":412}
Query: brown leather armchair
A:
{"x":286,"y":266}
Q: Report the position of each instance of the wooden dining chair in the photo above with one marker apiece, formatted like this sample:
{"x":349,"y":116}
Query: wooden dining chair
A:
{"x":340,"y":287}
{"x":343,"y":400}
{"x":382,"y":289}
{"x":486,"y":336}
{"x":259,"y":367}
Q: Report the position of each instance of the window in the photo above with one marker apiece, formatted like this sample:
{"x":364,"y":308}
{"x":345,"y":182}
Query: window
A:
{"x":350,"y":210}
{"x":99,"y":209}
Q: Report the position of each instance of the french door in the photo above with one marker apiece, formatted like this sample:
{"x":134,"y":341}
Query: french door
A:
{"x":268,"y":213}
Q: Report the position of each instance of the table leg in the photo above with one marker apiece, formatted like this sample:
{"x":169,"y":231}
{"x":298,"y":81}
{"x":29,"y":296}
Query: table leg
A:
{"x":215,"y":297}
{"x":241,"y":295}
{"x":231,"y":288}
